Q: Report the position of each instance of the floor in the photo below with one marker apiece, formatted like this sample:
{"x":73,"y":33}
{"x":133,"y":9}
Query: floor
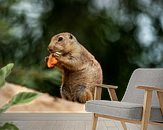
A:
{"x":57,"y":121}
{"x":63,"y":125}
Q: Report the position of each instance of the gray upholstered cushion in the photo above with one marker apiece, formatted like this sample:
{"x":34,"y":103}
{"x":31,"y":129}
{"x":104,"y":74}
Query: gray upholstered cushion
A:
{"x":121,"y":109}
{"x":143,"y":77}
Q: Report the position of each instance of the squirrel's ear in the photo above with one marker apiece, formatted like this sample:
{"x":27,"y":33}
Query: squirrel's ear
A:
{"x":71,"y":37}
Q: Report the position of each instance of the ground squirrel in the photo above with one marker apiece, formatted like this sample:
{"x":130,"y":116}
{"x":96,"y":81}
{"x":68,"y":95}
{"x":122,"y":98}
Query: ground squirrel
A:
{"x":80,"y":70}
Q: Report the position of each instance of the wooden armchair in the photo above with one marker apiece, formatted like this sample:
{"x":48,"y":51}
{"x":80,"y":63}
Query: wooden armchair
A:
{"x":138,"y":107}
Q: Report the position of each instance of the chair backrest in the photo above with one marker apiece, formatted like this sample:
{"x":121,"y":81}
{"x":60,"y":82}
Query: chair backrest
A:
{"x":146,"y":77}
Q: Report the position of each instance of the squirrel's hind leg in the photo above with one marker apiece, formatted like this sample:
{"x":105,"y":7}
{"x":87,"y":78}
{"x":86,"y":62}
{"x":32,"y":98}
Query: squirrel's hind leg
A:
{"x":83,"y":94}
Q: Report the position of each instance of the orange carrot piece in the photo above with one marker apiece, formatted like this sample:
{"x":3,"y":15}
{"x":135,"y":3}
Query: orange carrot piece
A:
{"x":51,"y":61}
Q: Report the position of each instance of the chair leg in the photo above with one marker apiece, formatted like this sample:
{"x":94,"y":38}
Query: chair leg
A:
{"x":124,"y":125}
{"x":94,"y":122}
{"x":146,"y":110}
{"x":144,"y":126}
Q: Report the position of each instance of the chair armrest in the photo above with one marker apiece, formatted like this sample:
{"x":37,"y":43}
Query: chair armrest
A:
{"x":150,"y":88}
{"x":106,"y":86}
{"x":111,"y":90}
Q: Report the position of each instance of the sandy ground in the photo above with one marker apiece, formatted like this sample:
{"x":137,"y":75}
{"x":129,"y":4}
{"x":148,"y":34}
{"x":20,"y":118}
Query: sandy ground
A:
{"x":43,"y":103}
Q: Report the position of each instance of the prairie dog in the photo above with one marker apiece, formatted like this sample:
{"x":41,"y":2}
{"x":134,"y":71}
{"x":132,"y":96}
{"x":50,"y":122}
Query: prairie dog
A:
{"x":80,"y":70}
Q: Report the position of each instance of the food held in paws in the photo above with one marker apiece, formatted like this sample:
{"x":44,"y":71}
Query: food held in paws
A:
{"x":51,"y":61}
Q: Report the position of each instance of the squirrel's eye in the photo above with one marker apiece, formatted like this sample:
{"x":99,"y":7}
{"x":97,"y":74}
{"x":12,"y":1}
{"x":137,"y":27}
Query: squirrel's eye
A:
{"x":60,"y":39}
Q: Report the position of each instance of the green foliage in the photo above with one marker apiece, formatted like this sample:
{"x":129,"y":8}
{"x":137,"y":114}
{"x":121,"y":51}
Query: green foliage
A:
{"x":20,"y":98}
{"x":5,"y":107}
{"x":4,"y":72}
{"x":47,"y":80}
{"x":23,"y":97}
{"x":8,"y":126}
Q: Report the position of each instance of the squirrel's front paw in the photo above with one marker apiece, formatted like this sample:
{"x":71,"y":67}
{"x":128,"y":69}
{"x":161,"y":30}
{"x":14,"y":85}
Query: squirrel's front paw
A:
{"x":57,"y":55}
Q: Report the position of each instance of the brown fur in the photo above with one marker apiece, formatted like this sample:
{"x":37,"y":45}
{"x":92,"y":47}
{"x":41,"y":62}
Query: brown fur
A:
{"x":79,"y":67}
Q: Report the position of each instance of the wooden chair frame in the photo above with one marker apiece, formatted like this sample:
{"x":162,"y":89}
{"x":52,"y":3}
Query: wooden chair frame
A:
{"x":146,"y":106}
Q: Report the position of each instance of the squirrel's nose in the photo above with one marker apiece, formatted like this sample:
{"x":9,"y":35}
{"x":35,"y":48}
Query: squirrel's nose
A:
{"x":50,"y":49}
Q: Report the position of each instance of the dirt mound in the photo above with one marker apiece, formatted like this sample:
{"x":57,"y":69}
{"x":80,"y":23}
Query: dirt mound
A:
{"x":44,"y":103}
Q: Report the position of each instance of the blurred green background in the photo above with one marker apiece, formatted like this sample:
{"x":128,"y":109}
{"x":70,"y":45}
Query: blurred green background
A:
{"x":122,"y":34}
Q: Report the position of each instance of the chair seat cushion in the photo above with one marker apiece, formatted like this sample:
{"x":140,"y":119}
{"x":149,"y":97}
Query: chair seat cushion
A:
{"x":131,"y":111}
